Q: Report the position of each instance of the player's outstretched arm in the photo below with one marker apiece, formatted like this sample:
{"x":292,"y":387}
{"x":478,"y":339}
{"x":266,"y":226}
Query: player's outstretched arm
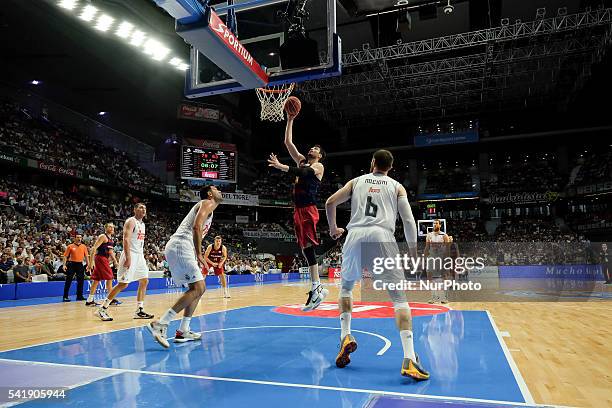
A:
{"x":410,"y":228}
{"x":206,"y":208}
{"x":334,"y":201}
{"x":293,"y":151}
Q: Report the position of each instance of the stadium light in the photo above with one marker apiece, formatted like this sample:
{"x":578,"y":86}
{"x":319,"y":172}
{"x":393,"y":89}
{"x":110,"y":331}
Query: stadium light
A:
{"x":155,"y":49}
{"x":35,"y":82}
{"x":68,"y":4}
{"x":124,"y":30}
{"x":101,"y":113}
{"x":88,"y":13}
{"x":137,"y":38}
{"x":104,"y":22}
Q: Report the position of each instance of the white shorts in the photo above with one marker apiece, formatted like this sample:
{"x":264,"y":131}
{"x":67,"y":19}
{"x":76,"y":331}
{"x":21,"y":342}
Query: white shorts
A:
{"x":182,"y":262}
{"x":138,"y":268}
{"x":362,"y":245}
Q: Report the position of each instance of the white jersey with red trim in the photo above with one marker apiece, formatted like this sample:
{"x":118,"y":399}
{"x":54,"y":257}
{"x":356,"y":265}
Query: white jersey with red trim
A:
{"x":374,"y":202}
{"x":138,"y":236}
{"x":184,"y":231}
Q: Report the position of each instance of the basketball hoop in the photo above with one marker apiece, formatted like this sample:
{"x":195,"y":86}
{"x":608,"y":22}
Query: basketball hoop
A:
{"x":273,"y":100}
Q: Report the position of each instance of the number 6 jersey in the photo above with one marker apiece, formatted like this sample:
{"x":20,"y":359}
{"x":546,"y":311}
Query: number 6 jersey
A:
{"x":374,"y":202}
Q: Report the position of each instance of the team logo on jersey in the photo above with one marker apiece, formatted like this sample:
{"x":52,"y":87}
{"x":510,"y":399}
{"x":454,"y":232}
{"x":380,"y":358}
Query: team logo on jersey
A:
{"x":374,"y":190}
{"x":362,"y":310}
{"x":140,"y":236}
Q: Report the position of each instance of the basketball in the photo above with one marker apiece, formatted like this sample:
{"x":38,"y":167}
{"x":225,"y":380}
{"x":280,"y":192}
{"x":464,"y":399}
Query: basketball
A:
{"x":293,"y":106}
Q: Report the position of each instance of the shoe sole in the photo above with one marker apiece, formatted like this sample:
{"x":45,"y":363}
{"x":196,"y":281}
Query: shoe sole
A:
{"x":415,"y":375}
{"x":162,"y":342}
{"x":344,"y":358}
{"x":324,"y":294}
{"x":110,"y":319}
{"x":184,"y":340}
{"x":143,"y":318}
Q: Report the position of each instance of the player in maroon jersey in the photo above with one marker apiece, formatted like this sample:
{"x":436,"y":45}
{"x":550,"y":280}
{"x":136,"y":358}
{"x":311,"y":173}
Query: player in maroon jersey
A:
{"x":215,"y":256}
{"x":99,"y":262}
{"x":308,"y":175}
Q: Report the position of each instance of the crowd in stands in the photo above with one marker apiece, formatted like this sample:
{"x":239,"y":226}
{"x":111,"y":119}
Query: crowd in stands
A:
{"x":594,"y":167}
{"x":38,"y":139}
{"x":529,"y":174}
{"x":448,"y":180}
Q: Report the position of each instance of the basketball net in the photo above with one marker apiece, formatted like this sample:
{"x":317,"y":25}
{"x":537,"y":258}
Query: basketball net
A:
{"x":273,"y":100}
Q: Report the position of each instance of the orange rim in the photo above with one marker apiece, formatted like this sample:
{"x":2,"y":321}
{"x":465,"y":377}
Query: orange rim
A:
{"x":268,"y":90}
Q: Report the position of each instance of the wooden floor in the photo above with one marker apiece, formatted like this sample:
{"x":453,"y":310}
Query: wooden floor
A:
{"x":563,"y":350}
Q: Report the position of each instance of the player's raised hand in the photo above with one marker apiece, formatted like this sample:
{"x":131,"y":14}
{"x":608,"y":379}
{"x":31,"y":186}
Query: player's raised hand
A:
{"x":336,"y":232}
{"x":273,"y":161}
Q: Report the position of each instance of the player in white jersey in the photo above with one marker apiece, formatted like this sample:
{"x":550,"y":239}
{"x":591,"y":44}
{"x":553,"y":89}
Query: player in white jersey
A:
{"x":185,"y":261}
{"x":132,"y":265}
{"x":437,"y":249}
{"x":375,"y":202}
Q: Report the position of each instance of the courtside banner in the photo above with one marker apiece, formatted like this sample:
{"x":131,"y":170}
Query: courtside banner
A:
{"x":56,"y":288}
{"x":568,"y":272}
{"x":251,"y":200}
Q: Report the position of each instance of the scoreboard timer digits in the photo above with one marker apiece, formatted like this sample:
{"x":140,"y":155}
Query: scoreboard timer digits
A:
{"x":208,"y":164}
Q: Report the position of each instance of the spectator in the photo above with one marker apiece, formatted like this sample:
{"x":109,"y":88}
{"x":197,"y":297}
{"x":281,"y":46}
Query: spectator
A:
{"x":22,"y":272}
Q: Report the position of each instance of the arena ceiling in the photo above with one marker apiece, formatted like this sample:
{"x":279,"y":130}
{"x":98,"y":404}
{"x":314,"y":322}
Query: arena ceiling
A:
{"x":91,"y":72}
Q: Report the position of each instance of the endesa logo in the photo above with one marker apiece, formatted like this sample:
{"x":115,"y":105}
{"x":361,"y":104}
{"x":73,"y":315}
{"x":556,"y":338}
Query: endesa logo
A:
{"x":229,"y":38}
{"x":362,"y":310}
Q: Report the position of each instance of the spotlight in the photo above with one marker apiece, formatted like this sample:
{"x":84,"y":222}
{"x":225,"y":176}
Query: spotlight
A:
{"x":124,"y":30}
{"x":68,"y":4}
{"x":104,"y":22}
{"x":35,"y":82}
{"x":101,"y":113}
{"x":88,"y":13}
{"x":137,"y":38}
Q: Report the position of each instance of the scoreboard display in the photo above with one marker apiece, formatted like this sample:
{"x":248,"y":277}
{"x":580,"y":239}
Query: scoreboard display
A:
{"x":201,"y":163}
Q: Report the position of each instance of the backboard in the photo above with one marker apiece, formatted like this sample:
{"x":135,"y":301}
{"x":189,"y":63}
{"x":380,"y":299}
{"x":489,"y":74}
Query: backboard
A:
{"x":426,"y":226}
{"x":277,"y":46}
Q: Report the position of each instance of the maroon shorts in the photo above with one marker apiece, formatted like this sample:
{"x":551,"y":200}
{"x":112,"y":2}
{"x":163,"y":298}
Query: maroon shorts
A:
{"x":305,"y":221}
{"x":102,"y":270}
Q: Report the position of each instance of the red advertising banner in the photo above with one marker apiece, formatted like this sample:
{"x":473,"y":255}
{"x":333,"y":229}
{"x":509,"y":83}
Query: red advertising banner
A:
{"x":210,"y":144}
{"x":232,"y":43}
{"x":334,"y":273}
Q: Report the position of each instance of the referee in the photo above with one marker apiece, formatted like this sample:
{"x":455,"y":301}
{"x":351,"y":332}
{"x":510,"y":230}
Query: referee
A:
{"x":73,"y":264}
{"x":604,"y":258}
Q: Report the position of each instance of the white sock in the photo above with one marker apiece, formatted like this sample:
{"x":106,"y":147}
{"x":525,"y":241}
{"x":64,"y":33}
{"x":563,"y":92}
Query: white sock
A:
{"x":345,"y":324}
{"x":90,"y":297}
{"x":315,"y":284}
{"x":168,"y":316}
{"x":185,"y":324}
{"x":408,"y":344}
{"x":106,"y":303}
{"x":140,"y":305}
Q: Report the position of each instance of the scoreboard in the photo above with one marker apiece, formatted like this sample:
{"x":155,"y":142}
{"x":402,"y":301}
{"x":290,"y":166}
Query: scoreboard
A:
{"x":202,"y":163}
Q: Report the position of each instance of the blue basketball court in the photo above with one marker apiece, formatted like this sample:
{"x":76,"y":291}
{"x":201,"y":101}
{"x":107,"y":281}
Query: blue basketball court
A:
{"x":255,"y":356}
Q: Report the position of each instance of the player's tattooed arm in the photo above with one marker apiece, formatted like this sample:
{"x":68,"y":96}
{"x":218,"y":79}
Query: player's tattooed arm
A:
{"x":332,"y":202}
{"x":293,"y":151}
